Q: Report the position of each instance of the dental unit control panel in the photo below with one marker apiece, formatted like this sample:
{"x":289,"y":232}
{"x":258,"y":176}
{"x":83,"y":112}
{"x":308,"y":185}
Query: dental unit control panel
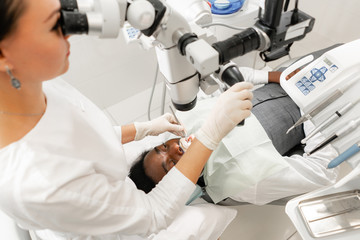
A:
{"x":189,"y":56}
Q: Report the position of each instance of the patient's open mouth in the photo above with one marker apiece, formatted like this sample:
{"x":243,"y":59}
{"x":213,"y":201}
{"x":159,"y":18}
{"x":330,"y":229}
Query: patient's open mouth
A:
{"x":184,"y":143}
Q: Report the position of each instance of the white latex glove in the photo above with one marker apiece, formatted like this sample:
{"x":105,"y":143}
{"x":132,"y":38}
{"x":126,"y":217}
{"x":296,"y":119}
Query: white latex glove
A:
{"x":164,"y":123}
{"x":230,"y":109}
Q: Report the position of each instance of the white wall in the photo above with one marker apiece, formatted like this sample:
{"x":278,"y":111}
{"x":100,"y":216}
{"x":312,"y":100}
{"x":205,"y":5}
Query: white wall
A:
{"x":109,"y":70}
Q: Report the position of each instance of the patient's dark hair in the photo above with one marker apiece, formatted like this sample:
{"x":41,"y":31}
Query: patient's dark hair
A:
{"x":138,"y":175}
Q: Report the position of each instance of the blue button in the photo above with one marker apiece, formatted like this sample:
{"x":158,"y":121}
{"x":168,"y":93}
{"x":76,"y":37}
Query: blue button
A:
{"x":224,"y":7}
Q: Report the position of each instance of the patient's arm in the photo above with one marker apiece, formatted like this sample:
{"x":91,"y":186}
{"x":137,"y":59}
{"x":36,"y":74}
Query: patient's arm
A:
{"x":261,"y":76}
{"x":275,"y":76}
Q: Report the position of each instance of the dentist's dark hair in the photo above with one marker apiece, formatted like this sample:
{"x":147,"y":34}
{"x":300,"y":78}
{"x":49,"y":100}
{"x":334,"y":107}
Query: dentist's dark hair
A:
{"x":138,"y":176}
{"x":10,"y":12}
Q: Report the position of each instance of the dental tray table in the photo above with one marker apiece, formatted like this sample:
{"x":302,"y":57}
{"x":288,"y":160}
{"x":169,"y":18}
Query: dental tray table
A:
{"x":331,"y":214}
{"x":327,"y":213}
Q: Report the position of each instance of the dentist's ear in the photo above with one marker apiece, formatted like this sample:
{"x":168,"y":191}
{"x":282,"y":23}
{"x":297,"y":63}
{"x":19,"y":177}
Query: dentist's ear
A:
{"x":1,"y":62}
{"x":4,"y":62}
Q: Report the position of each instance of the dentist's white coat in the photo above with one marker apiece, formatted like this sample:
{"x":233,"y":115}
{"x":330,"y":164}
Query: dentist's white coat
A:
{"x":69,"y":174}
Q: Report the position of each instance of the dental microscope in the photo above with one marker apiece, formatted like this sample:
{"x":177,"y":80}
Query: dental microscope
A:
{"x":189,"y":56}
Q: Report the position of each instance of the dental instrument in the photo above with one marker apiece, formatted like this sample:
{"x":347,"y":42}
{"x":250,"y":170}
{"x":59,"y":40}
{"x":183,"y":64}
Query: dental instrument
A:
{"x":331,"y":119}
{"x":177,"y":120}
{"x":345,"y":155}
{"x":352,"y":125}
{"x":335,"y":95}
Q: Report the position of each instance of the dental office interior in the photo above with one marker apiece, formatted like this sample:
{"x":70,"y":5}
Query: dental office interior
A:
{"x":121,"y":77}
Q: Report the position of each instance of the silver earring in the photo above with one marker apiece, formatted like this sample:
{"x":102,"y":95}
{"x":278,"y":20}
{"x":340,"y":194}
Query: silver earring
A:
{"x":14,"y":81}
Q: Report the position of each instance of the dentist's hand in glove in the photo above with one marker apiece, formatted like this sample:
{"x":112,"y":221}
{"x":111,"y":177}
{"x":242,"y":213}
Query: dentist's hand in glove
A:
{"x":232,"y":107}
{"x":164,"y":123}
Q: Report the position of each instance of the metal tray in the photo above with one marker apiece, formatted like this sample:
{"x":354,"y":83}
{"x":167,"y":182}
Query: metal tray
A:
{"x":331,"y":214}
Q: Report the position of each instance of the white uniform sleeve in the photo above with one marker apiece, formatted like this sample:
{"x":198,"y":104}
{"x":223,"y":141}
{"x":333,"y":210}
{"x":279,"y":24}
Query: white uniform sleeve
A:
{"x":254,"y":76}
{"x":118,"y":132}
{"x":87,"y":203}
{"x":200,"y":221}
{"x":305,"y":174}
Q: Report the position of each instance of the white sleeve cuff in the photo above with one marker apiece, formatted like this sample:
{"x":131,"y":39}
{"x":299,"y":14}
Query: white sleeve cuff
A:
{"x":178,"y":185}
{"x":118,"y":132}
{"x":254,"y":76}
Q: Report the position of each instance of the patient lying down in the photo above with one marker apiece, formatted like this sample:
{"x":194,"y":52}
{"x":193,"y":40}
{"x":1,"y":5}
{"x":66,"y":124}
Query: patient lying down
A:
{"x":251,"y":163}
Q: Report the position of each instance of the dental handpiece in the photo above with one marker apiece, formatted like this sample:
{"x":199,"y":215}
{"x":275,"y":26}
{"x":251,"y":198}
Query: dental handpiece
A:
{"x":352,"y":125}
{"x":177,"y":120}
{"x":335,"y":95}
{"x":331,"y":120}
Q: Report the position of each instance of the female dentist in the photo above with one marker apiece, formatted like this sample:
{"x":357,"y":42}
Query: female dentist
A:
{"x":62,"y":165}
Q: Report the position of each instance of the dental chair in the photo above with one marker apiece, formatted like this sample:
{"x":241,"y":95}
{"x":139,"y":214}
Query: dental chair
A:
{"x":298,"y":149}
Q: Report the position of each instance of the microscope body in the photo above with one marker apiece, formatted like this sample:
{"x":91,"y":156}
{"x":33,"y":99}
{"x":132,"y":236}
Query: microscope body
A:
{"x":165,"y":26}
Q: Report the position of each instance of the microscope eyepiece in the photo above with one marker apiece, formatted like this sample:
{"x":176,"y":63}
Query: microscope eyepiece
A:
{"x":69,"y":5}
{"x":74,"y":23}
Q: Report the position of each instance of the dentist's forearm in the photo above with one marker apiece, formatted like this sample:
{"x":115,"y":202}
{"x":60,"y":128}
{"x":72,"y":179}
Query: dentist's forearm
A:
{"x":193,"y":161}
{"x":128,"y":133}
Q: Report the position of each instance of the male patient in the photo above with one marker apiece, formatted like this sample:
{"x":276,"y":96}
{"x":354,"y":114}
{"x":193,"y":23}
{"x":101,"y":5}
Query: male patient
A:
{"x":251,"y":164}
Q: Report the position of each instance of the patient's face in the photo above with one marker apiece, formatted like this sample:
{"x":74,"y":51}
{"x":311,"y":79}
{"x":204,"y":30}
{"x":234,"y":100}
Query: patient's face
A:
{"x":162,"y":158}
